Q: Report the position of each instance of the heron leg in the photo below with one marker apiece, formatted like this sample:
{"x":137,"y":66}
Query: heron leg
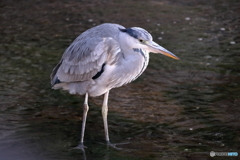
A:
{"x":104,"y":114}
{"x":85,"y":111}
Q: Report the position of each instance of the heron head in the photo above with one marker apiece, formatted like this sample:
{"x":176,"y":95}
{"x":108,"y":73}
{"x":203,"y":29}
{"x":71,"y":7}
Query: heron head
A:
{"x":140,"y":38}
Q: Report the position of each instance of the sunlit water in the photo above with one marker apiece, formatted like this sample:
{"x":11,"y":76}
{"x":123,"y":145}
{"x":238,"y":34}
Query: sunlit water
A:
{"x":176,"y":109}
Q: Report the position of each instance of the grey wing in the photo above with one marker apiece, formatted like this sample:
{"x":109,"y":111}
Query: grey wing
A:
{"x":83,"y":59}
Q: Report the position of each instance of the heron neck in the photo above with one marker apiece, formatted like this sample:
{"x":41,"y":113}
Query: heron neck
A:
{"x":135,"y":61}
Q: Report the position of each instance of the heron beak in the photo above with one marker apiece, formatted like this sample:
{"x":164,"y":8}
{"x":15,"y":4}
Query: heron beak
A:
{"x":155,"y":48}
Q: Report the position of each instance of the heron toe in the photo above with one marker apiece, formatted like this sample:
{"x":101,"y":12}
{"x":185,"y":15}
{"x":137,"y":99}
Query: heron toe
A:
{"x":80,"y":146}
{"x":114,"y":145}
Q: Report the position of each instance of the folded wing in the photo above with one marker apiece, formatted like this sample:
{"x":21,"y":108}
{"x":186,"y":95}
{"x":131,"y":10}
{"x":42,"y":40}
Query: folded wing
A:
{"x":84,"y":58}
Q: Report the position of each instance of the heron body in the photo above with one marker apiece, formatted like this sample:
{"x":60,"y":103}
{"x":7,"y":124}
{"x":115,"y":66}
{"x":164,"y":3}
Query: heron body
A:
{"x":104,"y":57}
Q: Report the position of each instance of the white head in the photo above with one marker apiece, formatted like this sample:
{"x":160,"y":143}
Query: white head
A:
{"x":139,"y":38}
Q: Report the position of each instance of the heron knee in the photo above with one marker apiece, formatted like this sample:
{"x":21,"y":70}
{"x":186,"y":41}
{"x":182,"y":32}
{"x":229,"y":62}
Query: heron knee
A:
{"x":85,"y":107}
{"x":104,"y":110}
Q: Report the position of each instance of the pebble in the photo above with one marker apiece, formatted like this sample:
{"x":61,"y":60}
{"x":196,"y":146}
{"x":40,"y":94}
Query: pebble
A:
{"x":208,"y":57}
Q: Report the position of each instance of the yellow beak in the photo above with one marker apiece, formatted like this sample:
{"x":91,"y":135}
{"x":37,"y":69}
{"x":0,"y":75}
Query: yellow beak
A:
{"x":155,"y":48}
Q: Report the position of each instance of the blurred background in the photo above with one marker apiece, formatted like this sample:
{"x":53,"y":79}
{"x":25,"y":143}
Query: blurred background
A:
{"x":176,"y":110}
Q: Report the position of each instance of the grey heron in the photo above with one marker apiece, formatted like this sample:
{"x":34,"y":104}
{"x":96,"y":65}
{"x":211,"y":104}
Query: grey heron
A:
{"x":104,"y":57}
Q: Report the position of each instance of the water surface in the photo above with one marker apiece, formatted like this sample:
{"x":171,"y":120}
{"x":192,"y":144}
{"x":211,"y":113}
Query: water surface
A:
{"x":175,"y":110}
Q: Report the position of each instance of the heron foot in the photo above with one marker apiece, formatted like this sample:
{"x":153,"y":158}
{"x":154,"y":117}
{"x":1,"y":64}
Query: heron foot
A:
{"x":114,"y":145}
{"x":80,"y":146}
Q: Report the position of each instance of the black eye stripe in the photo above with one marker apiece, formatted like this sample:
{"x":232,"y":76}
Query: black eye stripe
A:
{"x":130,"y":32}
{"x":137,"y":33}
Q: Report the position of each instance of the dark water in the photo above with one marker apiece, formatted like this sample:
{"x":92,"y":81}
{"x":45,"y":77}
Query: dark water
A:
{"x":175,"y":110}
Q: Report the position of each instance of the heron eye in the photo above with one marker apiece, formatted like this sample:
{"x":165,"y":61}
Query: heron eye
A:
{"x":140,"y":40}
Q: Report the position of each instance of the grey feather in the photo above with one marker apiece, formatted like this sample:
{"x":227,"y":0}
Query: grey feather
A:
{"x":85,"y":56}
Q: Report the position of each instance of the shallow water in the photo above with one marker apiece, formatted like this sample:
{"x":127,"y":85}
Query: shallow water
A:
{"x":175,"y":110}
